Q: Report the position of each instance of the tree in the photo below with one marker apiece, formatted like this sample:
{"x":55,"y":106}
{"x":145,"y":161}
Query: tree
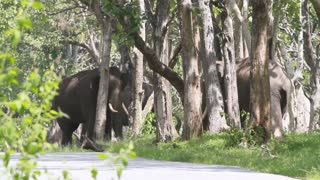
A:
{"x":192,"y":80}
{"x":138,"y":78}
{"x":214,"y":100}
{"x":230,"y":70}
{"x":260,"y":86}
{"x":162,"y":96}
{"x":313,"y":63}
{"x":104,"y":56}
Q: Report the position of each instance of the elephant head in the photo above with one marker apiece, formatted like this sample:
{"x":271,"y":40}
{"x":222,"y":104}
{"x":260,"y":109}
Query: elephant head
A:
{"x":117,"y":112}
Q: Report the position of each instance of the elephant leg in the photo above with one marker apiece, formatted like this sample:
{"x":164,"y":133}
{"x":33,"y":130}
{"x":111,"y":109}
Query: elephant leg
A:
{"x":89,"y":114}
{"x":108,"y":129}
{"x":117,"y":126}
{"x":86,"y":141}
{"x":67,"y":127}
{"x":276,"y":116}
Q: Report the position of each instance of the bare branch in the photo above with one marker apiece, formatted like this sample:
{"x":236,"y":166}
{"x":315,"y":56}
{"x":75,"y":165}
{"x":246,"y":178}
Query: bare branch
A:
{"x":85,"y":46}
{"x":64,"y":10}
{"x":174,"y":59}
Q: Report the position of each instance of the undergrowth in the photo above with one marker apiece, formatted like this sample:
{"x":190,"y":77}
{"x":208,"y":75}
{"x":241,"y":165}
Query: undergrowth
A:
{"x":297,"y":155}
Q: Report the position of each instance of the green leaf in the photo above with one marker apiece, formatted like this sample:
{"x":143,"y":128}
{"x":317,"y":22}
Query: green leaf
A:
{"x":6,"y":159}
{"x":132,"y":155}
{"x":37,"y":5}
{"x":131,"y":146}
{"x":94,"y":173}
{"x":119,"y":171}
{"x":33,"y":148}
{"x":24,"y":23}
{"x":102,"y":156}
{"x":125,"y":161}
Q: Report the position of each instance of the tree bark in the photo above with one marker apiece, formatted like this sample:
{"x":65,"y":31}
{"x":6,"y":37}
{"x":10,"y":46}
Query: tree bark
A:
{"x":245,"y":29}
{"x":316,"y":6}
{"x":104,"y":56}
{"x":214,"y":100}
{"x":192,"y":78}
{"x":238,"y":38}
{"x":230,"y":71}
{"x":313,"y":63}
{"x":162,"y":99}
{"x":153,"y":61}
{"x":138,"y":80}
{"x":260,"y":86}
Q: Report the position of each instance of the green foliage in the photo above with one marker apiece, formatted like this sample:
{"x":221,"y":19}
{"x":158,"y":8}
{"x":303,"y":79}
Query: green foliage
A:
{"x":149,"y":126}
{"x":25,"y":102}
{"x":131,"y":11}
{"x":296,"y":156}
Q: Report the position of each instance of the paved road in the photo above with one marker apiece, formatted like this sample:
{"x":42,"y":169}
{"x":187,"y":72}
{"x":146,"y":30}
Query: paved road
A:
{"x":79,"y":164}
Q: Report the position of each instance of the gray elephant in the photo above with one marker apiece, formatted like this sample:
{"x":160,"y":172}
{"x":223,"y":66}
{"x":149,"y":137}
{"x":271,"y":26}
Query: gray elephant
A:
{"x":280,"y":89}
{"x":77,"y":97}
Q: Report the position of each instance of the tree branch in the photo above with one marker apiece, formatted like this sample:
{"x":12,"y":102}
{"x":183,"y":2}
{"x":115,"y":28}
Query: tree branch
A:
{"x":316,"y":6}
{"x":174,"y":59}
{"x":64,"y":10}
{"x":157,"y":66}
{"x":85,"y":46}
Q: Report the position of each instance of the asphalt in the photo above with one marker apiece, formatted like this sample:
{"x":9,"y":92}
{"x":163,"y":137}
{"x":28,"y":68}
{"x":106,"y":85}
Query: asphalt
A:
{"x":79,"y":166}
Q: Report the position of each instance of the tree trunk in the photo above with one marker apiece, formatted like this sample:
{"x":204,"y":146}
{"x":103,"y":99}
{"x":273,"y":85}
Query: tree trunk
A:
{"x":230,"y":71}
{"x":238,"y":38}
{"x":245,"y":29}
{"x":260,"y":86}
{"x":102,"y":98}
{"x":162,"y":99}
{"x":314,"y":66}
{"x":192,"y":78}
{"x":214,"y":100}
{"x":138,"y":80}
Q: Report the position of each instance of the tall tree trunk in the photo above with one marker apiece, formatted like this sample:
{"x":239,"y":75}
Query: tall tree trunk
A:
{"x":274,"y":30}
{"x":314,"y":66}
{"x":138,"y":80}
{"x":102,"y":98}
{"x":245,"y":28}
{"x":260,"y":86}
{"x":162,"y":99}
{"x":214,"y":99}
{"x":230,"y":71}
{"x":238,"y":38}
{"x":192,"y":79}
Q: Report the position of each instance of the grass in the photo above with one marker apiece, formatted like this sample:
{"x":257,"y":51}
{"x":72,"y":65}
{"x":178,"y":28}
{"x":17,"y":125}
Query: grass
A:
{"x":298,"y":155}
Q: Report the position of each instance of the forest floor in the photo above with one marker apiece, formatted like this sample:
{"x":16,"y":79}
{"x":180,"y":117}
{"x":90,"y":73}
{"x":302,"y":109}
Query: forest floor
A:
{"x":297,"y":155}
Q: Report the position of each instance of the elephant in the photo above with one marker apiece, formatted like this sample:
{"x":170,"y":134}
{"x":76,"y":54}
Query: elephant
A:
{"x":280,"y":89}
{"x":122,"y":118}
{"x":77,"y":97}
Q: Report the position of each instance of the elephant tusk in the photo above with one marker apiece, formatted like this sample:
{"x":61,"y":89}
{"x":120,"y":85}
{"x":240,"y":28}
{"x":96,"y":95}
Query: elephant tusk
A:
{"x":111,"y":108}
{"x":125,"y":109}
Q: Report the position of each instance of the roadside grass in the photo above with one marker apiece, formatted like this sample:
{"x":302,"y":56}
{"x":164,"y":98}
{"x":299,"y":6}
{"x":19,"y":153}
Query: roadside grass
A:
{"x":297,"y":155}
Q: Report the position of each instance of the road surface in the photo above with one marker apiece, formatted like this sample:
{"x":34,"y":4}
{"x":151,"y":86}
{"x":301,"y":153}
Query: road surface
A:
{"x":79,"y":165}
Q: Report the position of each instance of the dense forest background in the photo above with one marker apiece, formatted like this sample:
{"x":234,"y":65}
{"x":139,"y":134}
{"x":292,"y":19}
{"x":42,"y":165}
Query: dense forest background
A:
{"x":188,"y":52}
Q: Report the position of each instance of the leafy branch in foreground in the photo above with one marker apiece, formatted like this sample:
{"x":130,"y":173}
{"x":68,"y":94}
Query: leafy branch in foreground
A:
{"x":25,"y":102}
